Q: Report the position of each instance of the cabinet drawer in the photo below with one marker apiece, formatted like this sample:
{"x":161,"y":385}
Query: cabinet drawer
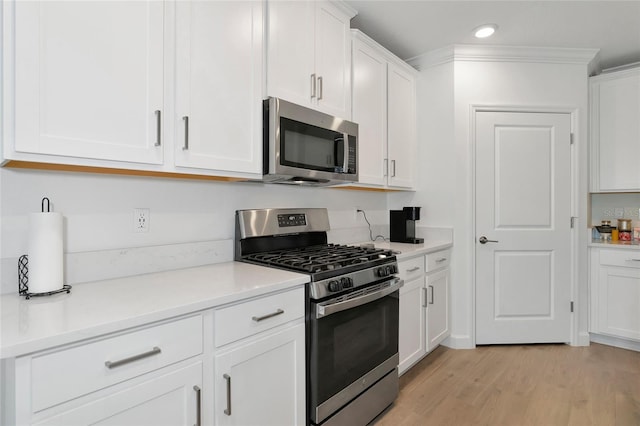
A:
{"x":411,"y":268}
{"x":437,"y":260}
{"x":69,"y":373}
{"x":239,"y":321}
{"x":627,"y":258}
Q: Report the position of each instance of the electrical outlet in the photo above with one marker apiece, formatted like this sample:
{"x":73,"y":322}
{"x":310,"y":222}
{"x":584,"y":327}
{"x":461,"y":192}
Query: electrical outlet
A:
{"x":618,"y":212}
{"x":141,"y":219}
{"x":357,"y":213}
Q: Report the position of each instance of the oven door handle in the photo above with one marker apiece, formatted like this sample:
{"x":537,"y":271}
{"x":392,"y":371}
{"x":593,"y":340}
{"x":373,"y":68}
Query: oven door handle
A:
{"x":326,"y":310}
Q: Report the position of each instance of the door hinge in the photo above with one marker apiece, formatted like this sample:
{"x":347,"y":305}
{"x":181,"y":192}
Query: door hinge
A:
{"x":571,"y":306}
{"x":571,"y":139}
{"x":573,"y":221}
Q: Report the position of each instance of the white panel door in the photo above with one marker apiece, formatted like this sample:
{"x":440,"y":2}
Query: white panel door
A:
{"x":219,"y":85}
{"x":89,"y":79}
{"x":401,"y":92}
{"x":523,"y":207}
{"x":370,"y":112}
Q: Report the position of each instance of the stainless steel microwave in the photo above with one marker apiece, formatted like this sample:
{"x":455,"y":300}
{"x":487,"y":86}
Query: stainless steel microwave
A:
{"x":306,"y":147}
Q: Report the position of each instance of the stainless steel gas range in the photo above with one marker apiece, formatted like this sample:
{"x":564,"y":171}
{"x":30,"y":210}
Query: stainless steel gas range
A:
{"x":351,"y":310}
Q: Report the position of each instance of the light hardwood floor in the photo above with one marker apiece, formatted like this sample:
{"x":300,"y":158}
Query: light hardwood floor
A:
{"x":520,"y":385}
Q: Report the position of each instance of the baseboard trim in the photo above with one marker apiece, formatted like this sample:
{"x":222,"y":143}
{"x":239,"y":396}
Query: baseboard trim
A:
{"x":459,"y":342}
{"x":615,"y":341}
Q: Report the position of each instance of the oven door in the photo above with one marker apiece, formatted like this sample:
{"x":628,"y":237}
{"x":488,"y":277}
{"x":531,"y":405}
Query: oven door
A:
{"x":353,"y":342}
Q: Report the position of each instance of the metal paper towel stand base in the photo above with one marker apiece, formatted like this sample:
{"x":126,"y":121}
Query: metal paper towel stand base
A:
{"x":23,"y":281}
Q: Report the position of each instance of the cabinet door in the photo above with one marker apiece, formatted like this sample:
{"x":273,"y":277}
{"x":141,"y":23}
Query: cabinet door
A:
{"x":437,"y":308}
{"x":619,"y":301}
{"x":89,"y":79}
{"x":370,"y":112}
{"x":168,"y":399}
{"x":333,"y":60}
{"x":616,"y":131}
{"x":219,"y":85}
{"x":290,"y":51}
{"x":262,"y":382}
{"x":412,"y":334}
{"x":402,"y":127}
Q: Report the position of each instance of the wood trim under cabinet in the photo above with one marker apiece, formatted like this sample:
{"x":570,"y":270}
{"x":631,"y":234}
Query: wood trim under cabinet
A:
{"x":113,"y":171}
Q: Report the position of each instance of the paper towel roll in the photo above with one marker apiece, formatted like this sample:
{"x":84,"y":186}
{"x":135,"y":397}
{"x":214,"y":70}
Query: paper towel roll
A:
{"x":45,"y":250}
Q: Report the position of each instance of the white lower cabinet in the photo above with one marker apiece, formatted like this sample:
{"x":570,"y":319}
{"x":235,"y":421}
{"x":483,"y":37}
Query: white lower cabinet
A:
{"x":615,"y":293}
{"x":171,"y":398}
{"x":152,"y":375}
{"x":260,"y":378}
{"x":424,"y":306}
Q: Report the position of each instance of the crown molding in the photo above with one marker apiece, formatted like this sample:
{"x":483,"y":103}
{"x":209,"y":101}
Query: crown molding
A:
{"x":477,"y":53}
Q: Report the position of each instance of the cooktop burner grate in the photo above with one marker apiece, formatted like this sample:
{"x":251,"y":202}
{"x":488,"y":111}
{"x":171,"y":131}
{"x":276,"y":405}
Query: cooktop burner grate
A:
{"x":320,"y":258}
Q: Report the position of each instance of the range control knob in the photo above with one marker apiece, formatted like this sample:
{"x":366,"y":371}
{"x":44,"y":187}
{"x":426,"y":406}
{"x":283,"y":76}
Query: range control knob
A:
{"x":335,"y":285}
{"x":387,"y":271}
{"x":382,"y":272}
{"x":349,"y":283}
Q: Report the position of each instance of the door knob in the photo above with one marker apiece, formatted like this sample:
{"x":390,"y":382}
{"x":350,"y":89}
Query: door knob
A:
{"x":484,"y":240}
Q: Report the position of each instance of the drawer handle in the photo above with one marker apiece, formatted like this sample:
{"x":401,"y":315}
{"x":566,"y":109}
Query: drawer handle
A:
{"x":442,"y":259}
{"x":198,"y":405}
{"x":413,"y":269}
{"x":114,"y":364}
{"x":424,"y":297}
{"x":633,"y":260}
{"x":264,"y":317}
{"x":227,"y":410}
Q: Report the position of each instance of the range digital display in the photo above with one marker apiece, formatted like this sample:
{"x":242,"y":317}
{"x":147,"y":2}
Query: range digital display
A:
{"x":295,"y":219}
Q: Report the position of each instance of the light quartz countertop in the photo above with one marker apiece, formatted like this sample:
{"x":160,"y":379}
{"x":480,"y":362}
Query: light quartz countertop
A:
{"x":102,"y":307}
{"x":406,"y":251}
{"x":628,"y":245}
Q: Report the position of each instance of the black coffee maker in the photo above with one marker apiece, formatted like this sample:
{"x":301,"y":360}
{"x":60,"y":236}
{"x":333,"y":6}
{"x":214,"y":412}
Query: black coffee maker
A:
{"x":403,"y":225}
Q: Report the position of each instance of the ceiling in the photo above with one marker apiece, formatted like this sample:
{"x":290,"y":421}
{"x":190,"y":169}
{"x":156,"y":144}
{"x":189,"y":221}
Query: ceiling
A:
{"x":411,"y":28}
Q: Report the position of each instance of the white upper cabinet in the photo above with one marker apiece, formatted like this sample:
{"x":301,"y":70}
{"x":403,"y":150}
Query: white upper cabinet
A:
{"x":401,"y":116}
{"x":309,"y":55}
{"x":384,"y":102}
{"x":89,"y":80}
{"x":370,"y":112}
{"x":219,"y":85}
{"x":615,"y":131}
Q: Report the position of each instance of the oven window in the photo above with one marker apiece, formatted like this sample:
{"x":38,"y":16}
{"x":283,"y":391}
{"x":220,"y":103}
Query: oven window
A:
{"x":309,"y":147}
{"x":348,"y":344}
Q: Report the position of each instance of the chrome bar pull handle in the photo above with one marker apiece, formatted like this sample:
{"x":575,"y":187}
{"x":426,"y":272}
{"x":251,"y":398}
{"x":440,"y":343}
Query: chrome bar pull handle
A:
{"x":442,"y":259}
{"x":198,"y":405}
{"x":158,"y":127}
{"x":185,"y":147}
{"x":319,"y":88}
{"x":227,"y":410}
{"x":313,"y":85}
{"x":271,"y":315}
{"x":432,"y":295}
{"x":393,"y":168}
{"x":424,"y":297}
{"x":484,"y":240}
{"x":386,"y":167}
{"x":115,"y":364}
{"x":413,"y":269}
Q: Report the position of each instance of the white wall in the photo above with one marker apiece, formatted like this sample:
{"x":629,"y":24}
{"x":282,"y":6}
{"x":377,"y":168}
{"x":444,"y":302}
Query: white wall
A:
{"x":487,"y":82}
{"x":98,"y":211}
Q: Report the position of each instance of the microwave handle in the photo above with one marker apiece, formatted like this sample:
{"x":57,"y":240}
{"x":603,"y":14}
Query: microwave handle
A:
{"x":345,"y":165}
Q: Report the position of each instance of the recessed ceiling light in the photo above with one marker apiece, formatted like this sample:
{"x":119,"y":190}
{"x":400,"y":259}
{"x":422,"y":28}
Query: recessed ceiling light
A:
{"x":485,"y":30}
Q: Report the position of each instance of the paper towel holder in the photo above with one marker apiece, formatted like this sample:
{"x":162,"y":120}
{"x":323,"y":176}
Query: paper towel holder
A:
{"x":23,"y":280}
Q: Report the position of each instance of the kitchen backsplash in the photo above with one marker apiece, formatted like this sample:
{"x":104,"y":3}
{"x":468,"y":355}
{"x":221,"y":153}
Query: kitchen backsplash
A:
{"x":615,"y":206}
{"x":190,"y":223}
